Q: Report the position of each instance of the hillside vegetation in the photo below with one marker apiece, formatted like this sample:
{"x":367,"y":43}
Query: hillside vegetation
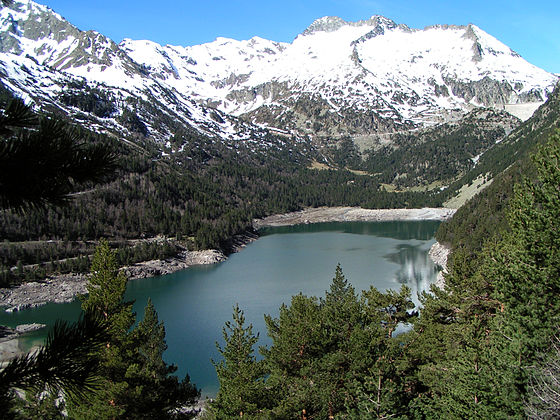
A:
{"x":481,"y":348}
{"x":203,"y":193}
{"x":483,"y":217}
{"x":199,"y":196}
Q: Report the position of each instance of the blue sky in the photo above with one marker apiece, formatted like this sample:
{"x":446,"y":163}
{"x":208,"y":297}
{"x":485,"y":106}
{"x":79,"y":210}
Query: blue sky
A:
{"x":531,"y":28}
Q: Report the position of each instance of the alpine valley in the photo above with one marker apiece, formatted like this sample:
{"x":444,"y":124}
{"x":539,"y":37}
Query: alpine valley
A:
{"x":157,"y":158}
{"x":370,"y":113}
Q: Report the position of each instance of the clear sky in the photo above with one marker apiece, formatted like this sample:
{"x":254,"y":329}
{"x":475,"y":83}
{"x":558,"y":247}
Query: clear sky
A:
{"x":529,"y":27}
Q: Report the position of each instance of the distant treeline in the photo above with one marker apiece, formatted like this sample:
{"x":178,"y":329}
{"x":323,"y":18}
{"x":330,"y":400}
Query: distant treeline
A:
{"x":201,"y":195}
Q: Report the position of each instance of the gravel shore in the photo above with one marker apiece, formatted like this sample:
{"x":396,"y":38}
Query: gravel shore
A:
{"x":352,"y":214}
{"x":65,"y":288}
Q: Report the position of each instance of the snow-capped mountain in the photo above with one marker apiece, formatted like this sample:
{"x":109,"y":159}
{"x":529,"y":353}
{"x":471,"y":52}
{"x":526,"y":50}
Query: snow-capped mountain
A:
{"x":49,"y":62}
{"x":390,"y":74}
{"x":337,"y":78}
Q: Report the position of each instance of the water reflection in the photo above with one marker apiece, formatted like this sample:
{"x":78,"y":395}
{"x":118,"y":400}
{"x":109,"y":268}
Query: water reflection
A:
{"x":422,"y":230}
{"x":417,"y":270}
{"x":195,"y":303}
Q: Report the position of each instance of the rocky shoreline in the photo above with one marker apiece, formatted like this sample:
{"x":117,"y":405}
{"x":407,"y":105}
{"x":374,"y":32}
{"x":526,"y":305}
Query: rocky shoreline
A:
{"x":439,"y":254}
{"x":352,"y":214}
{"x":65,"y":288}
{"x":9,"y":343}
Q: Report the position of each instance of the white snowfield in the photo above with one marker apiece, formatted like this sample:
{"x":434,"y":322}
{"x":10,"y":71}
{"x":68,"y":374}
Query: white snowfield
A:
{"x":347,"y":67}
{"x":402,"y":73}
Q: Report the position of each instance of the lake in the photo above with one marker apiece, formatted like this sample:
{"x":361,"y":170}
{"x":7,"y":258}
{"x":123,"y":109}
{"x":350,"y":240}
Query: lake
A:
{"x":195,"y":303}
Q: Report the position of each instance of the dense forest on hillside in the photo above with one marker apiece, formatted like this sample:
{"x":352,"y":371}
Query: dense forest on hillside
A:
{"x":483,"y":216}
{"x":440,"y":154}
{"x":481,"y":348}
{"x":427,"y":158}
{"x":200,"y":195}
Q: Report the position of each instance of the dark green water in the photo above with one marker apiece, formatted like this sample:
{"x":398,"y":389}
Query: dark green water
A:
{"x":195,"y":303}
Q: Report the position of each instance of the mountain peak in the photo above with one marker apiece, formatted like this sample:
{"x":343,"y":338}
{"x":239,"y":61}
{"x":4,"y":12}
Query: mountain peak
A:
{"x":23,"y":9}
{"x":325,"y":24}
{"x":403,"y":77}
{"x":334,"y":23}
{"x":27,"y":19}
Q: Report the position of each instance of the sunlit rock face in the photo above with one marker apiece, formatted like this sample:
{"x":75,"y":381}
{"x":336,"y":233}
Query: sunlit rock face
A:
{"x":337,"y":78}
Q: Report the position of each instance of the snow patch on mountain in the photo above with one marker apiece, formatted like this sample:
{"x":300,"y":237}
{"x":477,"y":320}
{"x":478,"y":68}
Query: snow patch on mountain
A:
{"x":375,"y":64}
{"x":42,"y":56}
{"x":336,"y":78}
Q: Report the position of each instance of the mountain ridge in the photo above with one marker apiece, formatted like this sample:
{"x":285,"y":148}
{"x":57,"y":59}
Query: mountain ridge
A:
{"x":365,"y":79}
{"x":256,"y":95}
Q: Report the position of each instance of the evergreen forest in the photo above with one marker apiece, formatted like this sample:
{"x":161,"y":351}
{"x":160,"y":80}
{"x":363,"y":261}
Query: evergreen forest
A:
{"x":483,"y":347}
{"x":486,"y":346}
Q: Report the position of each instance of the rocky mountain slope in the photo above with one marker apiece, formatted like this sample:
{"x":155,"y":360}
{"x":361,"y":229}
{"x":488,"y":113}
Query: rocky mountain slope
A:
{"x":86,"y":76}
{"x":366,"y":80}
{"x":342,"y":77}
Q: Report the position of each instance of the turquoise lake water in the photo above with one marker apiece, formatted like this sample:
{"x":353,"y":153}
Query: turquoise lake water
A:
{"x":195,"y":303}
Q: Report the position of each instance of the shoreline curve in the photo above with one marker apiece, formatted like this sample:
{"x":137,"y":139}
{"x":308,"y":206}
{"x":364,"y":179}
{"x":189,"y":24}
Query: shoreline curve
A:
{"x":353,"y":214}
{"x":65,"y":288}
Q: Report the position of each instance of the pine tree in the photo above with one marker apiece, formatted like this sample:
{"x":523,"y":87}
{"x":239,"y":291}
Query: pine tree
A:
{"x":241,"y":376}
{"x":380,"y":365}
{"x":136,"y":380}
{"x":340,"y":316}
{"x":42,"y":161}
{"x":297,"y":343}
{"x":66,"y":365}
{"x":156,"y":393}
{"x":337,"y":356}
{"x":106,"y":288}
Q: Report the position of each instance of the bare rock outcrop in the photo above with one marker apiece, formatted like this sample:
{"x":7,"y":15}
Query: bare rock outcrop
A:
{"x":59,"y":289}
{"x":9,"y":342}
{"x":65,"y":288}
{"x":439,"y":254}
